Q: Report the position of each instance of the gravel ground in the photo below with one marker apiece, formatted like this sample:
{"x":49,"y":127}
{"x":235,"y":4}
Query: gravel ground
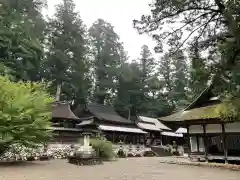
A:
{"x":123,"y":169}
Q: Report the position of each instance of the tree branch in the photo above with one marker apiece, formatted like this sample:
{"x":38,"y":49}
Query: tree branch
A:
{"x":206,"y":24}
{"x":171,"y":33}
{"x":193,"y":32}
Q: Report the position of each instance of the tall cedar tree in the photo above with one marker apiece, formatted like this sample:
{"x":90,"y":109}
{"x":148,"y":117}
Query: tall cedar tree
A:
{"x":66,"y":62}
{"x":165,"y":71}
{"x":139,"y":88}
{"x":22,"y":27}
{"x":107,"y":59}
{"x":147,"y":62}
{"x":150,"y":82}
{"x":130,"y":94}
{"x":179,"y":79}
{"x":199,"y":72}
{"x":173,"y":71}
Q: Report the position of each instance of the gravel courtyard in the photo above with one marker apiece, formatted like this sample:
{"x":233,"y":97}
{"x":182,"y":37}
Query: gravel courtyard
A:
{"x":123,"y":169}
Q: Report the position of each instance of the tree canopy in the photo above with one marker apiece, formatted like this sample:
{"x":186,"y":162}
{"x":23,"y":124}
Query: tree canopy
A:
{"x":92,"y":65}
{"x":25,"y":111}
{"x":214,"y":25}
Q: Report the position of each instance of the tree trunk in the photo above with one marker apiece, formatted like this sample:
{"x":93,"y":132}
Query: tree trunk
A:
{"x":58,"y":93}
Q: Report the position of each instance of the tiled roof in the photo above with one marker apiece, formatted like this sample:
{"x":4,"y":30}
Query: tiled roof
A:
{"x":206,"y":112}
{"x":202,"y":108}
{"x":62,"y":110}
{"x":106,"y":113}
{"x":148,"y":126}
{"x":151,"y":124}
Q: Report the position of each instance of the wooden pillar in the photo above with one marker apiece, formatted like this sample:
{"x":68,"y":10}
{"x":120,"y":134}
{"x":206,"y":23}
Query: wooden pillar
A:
{"x":198,"y":148}
{"x":161,"y":137}
{"x":188,"y":141}
{"x":144,"y":139}
{"x":113,"y":137}
{"x":224,"y":144}
{"x":205,"y":142}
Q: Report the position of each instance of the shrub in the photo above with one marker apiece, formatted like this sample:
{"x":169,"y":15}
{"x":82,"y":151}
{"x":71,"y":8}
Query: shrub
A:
{"x":24,"y":114}
{"x":103,"y":147}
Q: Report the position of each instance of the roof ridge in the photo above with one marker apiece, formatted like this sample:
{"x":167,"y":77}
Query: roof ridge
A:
{"x":208,"y":88}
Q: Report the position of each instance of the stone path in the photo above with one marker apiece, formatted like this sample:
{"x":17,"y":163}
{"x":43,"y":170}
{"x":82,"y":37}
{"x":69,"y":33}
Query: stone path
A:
{"x":123,"y":169}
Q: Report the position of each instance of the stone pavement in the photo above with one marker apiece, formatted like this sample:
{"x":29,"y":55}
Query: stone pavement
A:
{"x":123,"y":169}
{"x":186,"y":161}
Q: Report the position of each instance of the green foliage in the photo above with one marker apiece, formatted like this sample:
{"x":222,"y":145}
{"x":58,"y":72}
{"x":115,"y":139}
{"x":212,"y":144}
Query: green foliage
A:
{"x":147,"y":62}
{"x":173,"y":71}
{"x":25,"y":111}
{"x":229,"y":110}
{"x":199,"y":72}
{"x":140,"y":91}
{"x":20,"y":35}
{"x":212,"y":25}
{"x":67,"y":62}
{"x":107,"y":55}
{"x":103,"y":147}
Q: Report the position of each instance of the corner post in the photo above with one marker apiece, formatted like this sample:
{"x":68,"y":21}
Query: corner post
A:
{"x":205,"y":142}
{"x":224,"y":144}
{"x":113,"y":137}
{"x":188,"y":141}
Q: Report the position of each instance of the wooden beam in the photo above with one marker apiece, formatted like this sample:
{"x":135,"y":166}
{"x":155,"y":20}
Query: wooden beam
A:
{"x":224,"y":143}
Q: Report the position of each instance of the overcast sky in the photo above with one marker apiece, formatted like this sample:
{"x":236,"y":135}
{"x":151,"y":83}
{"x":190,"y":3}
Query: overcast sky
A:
{"x":120,"y":14}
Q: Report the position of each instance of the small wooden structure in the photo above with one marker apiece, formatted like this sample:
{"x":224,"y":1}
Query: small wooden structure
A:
{"x":158,"y":133}
{"x":64,"y":124}
{"x":208,"y":136}
{"x":114,"y":127}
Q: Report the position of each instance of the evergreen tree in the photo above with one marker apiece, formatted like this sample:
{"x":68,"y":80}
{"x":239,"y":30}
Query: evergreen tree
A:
{"x":66,"y":62}
{"x":21,"y":32}
{"x":214,"y":23}
{"x":199,"y":72}
{"x":130,"y":94}
{"x":165,"y":72}
{"x":173,"y":71}
{"x":147,"y":62}
{"x":132,"y":100}
{"x":179,"y":79}
{"x":139,"y":90}
{"x":107,"y":59}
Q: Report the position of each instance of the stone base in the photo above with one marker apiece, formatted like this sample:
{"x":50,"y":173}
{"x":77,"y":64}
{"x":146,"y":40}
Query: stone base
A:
{"x":84,"y":161}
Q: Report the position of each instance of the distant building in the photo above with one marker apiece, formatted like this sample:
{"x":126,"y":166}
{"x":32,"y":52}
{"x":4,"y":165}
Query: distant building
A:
{"x":64,"y":124}
{"x":208,"y":136}
{"x":158,"y":133}
{"x":114,"y":127}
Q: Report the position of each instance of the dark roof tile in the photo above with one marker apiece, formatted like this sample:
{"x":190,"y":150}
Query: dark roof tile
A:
{"x":106,"y":113}
{"x":62,"y":110}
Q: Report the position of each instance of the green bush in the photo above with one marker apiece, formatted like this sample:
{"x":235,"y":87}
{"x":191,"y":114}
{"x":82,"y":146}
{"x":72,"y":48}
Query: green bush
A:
{"x":25,"y":114}
{"x":103,"y":147}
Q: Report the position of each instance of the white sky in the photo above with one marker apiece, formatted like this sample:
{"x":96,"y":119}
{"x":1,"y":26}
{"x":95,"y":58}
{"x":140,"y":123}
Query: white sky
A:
{"x":120,"y":13}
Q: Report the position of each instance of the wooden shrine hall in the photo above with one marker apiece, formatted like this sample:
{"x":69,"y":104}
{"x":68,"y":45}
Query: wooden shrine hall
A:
{"x":209,"y":137}
{"x":158,"y":133}
{"x":64,"y":124}
{"x":114,"y":127}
